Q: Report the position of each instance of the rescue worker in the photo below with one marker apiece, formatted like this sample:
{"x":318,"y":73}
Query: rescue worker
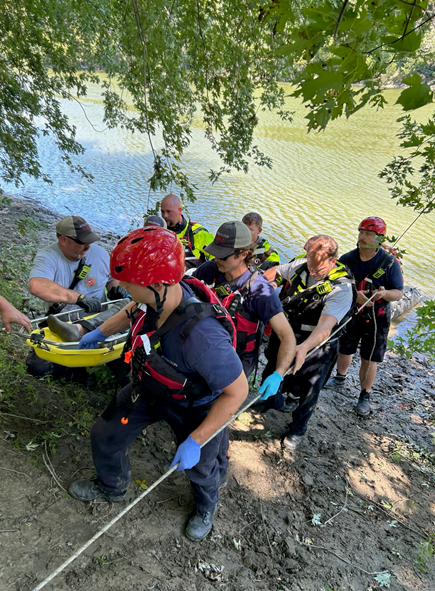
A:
{"x":316,"y":297}
{"x":9,"y":314}
{"x":374,"y":270}
{"x":193,"y":236}
{"x":71,"y":273}
{"x":249,"y":298}
{"x":265,"y":256}
{"x":184,"y":370}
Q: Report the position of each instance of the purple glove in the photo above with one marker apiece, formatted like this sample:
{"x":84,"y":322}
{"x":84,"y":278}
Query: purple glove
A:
{"x":187,"y":455}
{"x":270,"y":386}
{"x":91,"y":340}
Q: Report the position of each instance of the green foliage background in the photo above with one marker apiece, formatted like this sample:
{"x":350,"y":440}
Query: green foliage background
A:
{"x":223,"y":59}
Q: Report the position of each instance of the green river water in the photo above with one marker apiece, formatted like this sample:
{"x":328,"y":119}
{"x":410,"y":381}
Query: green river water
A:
{"x":320,"y":182}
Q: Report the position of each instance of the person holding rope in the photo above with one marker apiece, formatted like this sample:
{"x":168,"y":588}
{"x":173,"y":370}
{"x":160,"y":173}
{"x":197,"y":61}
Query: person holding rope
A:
{"x":249,"y":298}
{"x":375,"y":270}
{"x":185,"y":371}
{"x":317,"y":297}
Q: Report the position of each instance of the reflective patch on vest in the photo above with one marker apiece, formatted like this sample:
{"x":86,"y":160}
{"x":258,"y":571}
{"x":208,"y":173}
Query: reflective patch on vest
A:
{"x":146,"y":343}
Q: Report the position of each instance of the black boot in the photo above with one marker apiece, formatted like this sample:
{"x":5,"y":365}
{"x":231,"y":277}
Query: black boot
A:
{"x":67,"y":332}
{"x":199,"y":525}
{"x":336,"y":383}
{"x":363,"y":405}
{"x":88,"y":490}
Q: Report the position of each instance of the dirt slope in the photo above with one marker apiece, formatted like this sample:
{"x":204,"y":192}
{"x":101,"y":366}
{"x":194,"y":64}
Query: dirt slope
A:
{"x":353,"y":510}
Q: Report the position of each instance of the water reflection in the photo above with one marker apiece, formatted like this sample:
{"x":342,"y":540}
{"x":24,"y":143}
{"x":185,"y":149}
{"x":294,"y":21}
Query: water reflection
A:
{"x":320,"y":183}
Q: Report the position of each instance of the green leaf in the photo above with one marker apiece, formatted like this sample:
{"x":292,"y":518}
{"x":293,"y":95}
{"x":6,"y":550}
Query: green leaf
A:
{"x":410,"y":43}
{"x":417,"y":95}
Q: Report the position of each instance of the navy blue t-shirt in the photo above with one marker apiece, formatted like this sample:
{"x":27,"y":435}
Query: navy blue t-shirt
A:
{"x":207,"y":352}
{"x":392,"y":279}
{"x":262,"y":302}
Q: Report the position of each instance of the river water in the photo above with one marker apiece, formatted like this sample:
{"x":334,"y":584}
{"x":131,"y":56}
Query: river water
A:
{"x":320,"y":183}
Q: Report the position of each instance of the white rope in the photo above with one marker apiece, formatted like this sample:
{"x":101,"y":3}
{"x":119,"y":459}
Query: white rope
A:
{"x":166,"y":474}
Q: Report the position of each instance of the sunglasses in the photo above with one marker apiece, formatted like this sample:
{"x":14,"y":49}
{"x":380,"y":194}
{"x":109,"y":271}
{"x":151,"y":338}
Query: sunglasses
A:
{"x":76,"y":241}
{"x":226,"y":258}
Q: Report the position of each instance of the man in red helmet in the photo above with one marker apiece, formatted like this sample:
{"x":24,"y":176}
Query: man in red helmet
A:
{"x":184,"y":371}
{"x":374,"y":270}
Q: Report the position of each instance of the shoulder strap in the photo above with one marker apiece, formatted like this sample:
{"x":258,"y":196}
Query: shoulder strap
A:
{"x":56,"y":308}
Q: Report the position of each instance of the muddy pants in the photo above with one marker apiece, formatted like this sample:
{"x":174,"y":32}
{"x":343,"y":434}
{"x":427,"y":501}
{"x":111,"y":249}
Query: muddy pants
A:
{"x":305,"y":385}
{"x":110,"y":440}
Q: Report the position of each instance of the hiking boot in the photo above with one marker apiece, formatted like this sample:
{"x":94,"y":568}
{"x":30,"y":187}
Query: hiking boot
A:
{"x":292,"y":441}
{"x":88,"y":490}
{"x":290,"y":403}
{"x":223,"y":483}
{"x":199,"y":525}
{"x":335,"y":383}
{"x":363,"y":405}
{"x":67,"y":332}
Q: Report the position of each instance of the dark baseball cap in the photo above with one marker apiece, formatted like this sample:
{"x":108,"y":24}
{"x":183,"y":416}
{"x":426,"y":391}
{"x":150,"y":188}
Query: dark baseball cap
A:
{"x":74,"y":226}
{"x":230,"y":236}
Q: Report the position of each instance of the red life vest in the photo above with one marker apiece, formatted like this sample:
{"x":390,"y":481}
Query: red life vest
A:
{"x":247,"y":325}
{"x":153,"y":376}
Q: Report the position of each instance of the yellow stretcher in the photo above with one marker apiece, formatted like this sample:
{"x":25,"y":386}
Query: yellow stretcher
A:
{"x":50,"y":347}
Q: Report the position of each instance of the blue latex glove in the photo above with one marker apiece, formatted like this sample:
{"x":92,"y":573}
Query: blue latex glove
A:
{"x":188,"y":454}
{"x":270,"y":386}
{"x":91,"y":340}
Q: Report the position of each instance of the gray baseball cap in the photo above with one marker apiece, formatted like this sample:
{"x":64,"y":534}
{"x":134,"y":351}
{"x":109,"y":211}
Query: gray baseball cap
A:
{"x":74,"y":226}
{"x":155,"y":220}
{"x":230,"y":236}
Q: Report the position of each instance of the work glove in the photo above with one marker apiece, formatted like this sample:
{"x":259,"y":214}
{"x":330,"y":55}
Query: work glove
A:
{"x":91,"y":339}
{"x":188,"y":454}
{"x":270,"y":386}
{"x":91,"y":305}
{"x":117,"y":293}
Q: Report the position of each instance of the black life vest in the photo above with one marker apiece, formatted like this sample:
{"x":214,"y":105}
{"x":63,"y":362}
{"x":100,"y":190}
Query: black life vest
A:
{"x":376,"y":271}
{"x":155,"y":377}
{"x":248,"y":327}
{"x":303,"y":305}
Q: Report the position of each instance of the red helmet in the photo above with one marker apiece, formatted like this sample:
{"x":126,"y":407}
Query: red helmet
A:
{"x":374,"y":224}
{"x":148,"y":255}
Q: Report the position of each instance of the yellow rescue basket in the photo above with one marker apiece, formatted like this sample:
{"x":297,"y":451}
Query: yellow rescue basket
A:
{"x":49,"y":346}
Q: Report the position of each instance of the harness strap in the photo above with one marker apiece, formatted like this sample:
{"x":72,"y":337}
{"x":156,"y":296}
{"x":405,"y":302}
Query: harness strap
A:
{"x":78,"y":275}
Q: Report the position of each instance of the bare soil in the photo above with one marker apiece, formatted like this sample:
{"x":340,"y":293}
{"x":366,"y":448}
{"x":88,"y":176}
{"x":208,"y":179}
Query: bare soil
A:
{"x":353,"y":509}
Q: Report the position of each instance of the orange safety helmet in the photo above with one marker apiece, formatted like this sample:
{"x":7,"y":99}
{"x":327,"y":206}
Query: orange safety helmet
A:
{"x":148,"y":255}
{"x":374,"y":224}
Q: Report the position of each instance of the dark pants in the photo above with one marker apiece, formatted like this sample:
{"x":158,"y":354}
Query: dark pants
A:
{"x":306,"y":384}
{"x":110,"y":440}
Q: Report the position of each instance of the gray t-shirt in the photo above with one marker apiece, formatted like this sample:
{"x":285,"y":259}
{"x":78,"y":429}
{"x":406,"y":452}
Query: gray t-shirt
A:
{"x":51,"y":263}
{"x":337,"y":302}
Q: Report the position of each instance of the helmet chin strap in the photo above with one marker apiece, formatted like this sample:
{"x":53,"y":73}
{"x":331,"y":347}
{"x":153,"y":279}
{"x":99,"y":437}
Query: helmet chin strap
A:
{"x":159,"y":302}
